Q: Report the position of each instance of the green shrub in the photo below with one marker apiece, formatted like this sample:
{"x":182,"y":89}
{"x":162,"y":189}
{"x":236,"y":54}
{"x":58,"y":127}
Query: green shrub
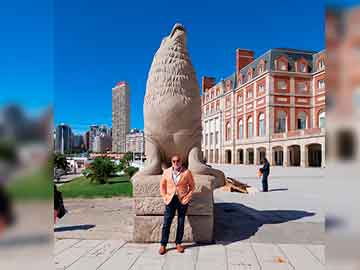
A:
{"x":130,"y":171}
{"x":100,"y":170}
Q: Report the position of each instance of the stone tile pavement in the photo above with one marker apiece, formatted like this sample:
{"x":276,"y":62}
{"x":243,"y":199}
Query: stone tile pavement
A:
{"x":282,"y":229}
{"x":76,"y":254}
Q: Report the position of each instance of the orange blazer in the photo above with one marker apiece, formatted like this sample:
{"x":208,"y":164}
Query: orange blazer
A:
{"x":184,"y":188}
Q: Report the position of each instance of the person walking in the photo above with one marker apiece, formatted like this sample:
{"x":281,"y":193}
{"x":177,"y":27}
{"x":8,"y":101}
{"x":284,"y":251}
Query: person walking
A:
{"x":265,"y":171}
{"x":6,"y":211}
{"x":59,"y":208}
{"x":176,"y":188}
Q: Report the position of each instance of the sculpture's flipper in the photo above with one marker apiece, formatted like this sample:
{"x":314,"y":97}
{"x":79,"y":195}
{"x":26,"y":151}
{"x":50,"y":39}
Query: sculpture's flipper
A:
{"x":197,"y":167}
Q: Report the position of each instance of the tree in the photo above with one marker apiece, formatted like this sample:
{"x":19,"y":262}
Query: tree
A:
{"x":7,"y":152}
{"x":60,"y":161}
{"x":100,"y":170}
{"x":130,"y":171}
{"x":127,"y":158}
{"x":125,"y":166}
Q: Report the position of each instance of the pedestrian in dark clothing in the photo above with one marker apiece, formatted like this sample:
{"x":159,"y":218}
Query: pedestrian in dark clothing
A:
{"x":59,"y":209}
{"x":265,"y":170}
{"x":6,"y":211}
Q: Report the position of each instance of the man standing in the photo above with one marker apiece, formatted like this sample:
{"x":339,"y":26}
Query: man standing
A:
{"x":265,"y":170}
{"x":176,"y":188}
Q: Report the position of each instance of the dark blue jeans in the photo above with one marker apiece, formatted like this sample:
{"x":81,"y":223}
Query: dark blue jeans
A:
{"x":265,"y":183}
{"x":170,"y":210}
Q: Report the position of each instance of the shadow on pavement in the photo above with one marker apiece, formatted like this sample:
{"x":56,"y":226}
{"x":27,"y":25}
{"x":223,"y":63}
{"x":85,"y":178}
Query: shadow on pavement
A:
{"x":74,"y":228}
{"x":236,"y":222}
{"x":278,"y":189}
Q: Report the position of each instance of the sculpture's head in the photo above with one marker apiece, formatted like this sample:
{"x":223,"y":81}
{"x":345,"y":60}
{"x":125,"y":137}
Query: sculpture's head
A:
{"x":172,"y":76}
{"x":177,"y":35}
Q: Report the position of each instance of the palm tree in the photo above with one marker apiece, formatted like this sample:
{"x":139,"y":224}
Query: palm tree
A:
{"x":100,"y":170}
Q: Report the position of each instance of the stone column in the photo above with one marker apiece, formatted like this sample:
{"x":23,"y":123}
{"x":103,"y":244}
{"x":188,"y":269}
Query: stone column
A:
{"x":312,"y":103}
{"x":292,"y":106}
{"x":269,"y":120}
{"x":323,"y":155}
{"x":269,"y":155}
{"x":303,"y":156}
{"x":255,"y":156}
{"x":220,"y":145}
{"x":245,"y":124}
{"x":233,"y":158}
{"x":273,"y":157}
{"x":285,"y":155}
{"x":246,"y":157}
{"x":234,"y":112}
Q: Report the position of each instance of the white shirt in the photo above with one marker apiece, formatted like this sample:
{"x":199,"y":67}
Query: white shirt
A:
{"x":176,"y":175}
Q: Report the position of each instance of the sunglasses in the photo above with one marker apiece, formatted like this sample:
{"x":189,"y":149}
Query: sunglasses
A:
{"x":176,"y":161}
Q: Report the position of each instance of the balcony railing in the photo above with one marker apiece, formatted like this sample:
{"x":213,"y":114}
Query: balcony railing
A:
{"x":299,"y":133}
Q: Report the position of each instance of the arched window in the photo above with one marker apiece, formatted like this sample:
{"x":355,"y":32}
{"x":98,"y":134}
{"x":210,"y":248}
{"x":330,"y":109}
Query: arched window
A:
{"x":281,"y":63}
{"x":302,"y":65}
{"x":239,"y":77}
{"x":321,"y":64}
{"x":217,"y":91}
{"x":301,"y":120}
{"x":261,"y":67}
{"x":239,"y":99}
{"x":261,"y":124}
{"x":250,"y":127}
{"x":249,"y":93}
{"x":240,"y":134}
{"x":249,"y":74}
{"x":322,"y":119}
{"x":217,"y":105}
{"x":228,"y":102}
{"x":228,"y":85}
{"x":261,"y":88}
{"x":321,"y":84}
{"x":228,"y":131}
{"x":281,"y":122}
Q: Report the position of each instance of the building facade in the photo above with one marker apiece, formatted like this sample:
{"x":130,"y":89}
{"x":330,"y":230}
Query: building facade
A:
{"x":63,"y":139}
{"x":100,"y":139}
{"x":78,"y":142}
{"x":272,"y":106}
{"x":120,"y":116}
{"x":86,"y":139}
{"x":102,"y":143}
{"x":135,"y":142}
{"x":92,"y":134}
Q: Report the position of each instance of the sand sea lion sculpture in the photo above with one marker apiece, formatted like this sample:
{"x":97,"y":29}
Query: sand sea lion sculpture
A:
{"x":172,"y":110}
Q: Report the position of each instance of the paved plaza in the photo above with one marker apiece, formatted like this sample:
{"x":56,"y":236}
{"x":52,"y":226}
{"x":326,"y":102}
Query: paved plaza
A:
{"x":281,"y":229}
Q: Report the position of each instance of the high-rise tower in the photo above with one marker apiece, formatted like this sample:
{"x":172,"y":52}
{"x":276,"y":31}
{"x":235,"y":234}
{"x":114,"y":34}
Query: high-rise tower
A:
{"x":120,"y":116}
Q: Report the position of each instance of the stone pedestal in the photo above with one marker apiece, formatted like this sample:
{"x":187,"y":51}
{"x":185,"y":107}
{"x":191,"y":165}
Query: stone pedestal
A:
{"x":149,"y":210}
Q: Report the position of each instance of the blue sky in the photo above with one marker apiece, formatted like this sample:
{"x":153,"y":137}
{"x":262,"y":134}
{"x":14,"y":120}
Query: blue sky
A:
{"x":75,"y":52}
{"x":26,"y":53}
